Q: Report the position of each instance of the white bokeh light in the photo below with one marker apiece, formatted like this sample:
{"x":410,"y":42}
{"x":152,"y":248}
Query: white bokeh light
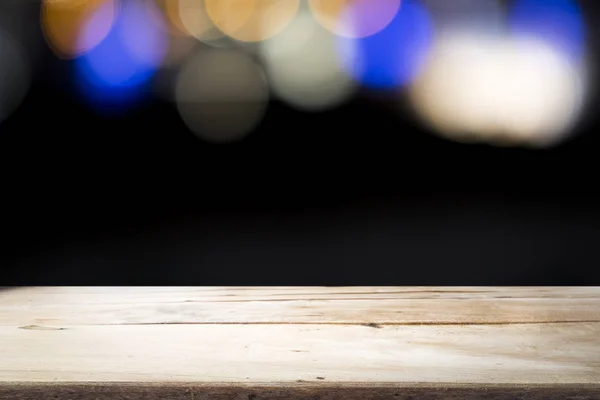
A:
{"x":221,"y":95}
{"x":303,"y":67}
{"x":506,"y":89}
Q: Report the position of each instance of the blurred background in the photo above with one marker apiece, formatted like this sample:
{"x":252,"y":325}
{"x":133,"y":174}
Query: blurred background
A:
{"x":305,"y":142}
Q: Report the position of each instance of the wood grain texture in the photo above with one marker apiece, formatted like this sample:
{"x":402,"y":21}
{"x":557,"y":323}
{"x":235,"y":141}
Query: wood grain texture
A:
{"x":304,"y":343}
{"x":297,"y":305}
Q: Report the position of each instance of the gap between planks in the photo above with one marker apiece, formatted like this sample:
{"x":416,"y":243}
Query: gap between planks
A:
{"x":370,"y":325}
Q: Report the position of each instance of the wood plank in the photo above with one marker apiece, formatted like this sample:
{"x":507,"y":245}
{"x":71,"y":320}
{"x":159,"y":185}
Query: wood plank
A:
{"x":351,"y":343}
{"x":379,"y":305}
{"x":536,"y":353}
{"x":104,"y":295}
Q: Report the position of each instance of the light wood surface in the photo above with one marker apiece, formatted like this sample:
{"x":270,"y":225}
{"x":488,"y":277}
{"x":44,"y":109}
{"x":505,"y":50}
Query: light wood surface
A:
{"x":300,"y":342}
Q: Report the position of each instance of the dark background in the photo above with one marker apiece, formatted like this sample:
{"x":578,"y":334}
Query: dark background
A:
{"x":355,"y":196}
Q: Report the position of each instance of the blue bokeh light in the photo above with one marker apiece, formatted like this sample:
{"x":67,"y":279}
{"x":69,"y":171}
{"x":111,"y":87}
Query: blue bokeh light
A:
{"x":115,"y":74}
{"x":394,"y":56}
{"x":559,"y":23}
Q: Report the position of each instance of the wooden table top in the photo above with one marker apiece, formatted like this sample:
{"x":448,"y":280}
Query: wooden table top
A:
{"x":300,"y":342}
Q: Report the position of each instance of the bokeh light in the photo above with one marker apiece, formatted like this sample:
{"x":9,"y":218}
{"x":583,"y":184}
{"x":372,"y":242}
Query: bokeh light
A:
{"x":63,"y":21}
{"x":252,"y":20}
{"x":515,"y":86}
{"x":15,"y":75}
{"x":354,"y":18}
{"x":497,"y":71}
{"x":504,"y":90}
{"x":303,"y":67}
{"x":544,"y":93}
{"x":221,"y":95}
{"x":171,"y":15}
{"x":146,"y":44}
{"x":195,"y":20}
{"x":394,"y":56}
{"x":117,"y":69}
{"x":559,"y":23}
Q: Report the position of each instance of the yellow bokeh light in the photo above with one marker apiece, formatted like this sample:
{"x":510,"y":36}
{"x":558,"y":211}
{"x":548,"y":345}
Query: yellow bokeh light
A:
{"x":195,"y":20}
{"x":63,"y":20}
{"x":252,"y":20}
{"x":345,"y":17}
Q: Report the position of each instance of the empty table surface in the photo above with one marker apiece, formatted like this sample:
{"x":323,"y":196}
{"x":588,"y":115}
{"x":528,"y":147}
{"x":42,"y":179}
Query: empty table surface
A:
{"x":312,"y":343}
